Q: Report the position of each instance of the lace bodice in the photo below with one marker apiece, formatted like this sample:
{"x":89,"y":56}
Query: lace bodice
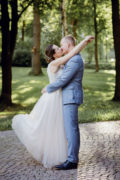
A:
{"x":53,"y":76}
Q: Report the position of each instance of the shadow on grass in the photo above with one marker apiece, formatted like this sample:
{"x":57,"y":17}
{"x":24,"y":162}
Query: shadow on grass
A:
{"x":27,"y":89}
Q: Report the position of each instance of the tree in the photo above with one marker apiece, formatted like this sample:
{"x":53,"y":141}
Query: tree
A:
{"x":11,"y":12}
{"x":36,"y":67}
{"x":23,"y":30}
{"x":96,"y":34}
{"x":99,"y":24}
{"x":9,"y":21}
{"x":86,"y":14}
{"x":39,"y":7}
{"x":63,"y":18}
{"x":116,"y":36}
{"x":6,"y":71}
{"x":75,"y":15}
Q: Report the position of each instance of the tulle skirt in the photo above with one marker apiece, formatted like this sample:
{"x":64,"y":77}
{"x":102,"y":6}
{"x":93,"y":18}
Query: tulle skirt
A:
{"x":42,"y":131}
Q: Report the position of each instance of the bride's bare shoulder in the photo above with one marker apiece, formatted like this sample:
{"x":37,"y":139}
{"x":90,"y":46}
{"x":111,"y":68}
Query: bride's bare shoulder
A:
{"x":52,"y":67}
{"x":49,"y":65}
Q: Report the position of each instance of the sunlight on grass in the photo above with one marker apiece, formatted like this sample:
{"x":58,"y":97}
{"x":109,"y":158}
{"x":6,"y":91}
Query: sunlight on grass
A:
{"x":33,"y":81}
{"x":25,"y":90}
{"x":109,"y":71}
{"x":30,"y":100}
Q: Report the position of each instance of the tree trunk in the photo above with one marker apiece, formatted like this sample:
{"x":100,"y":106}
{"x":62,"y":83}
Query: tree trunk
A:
{"x":96,"y":36}
{"x":116,"y":35}
{"x":74,"y":27}
{"x":8,"y":46}
{"x":23,"y":30}
{"x":36,"y":66}
{"x":13,"y":32}
{"x":6,"y":56}
{"x":63,"y":19}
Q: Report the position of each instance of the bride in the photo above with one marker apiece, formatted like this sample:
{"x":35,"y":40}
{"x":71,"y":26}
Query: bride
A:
{"x":42,"y":131}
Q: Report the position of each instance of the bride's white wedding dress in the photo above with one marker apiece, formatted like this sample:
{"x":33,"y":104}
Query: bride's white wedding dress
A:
{"x":42,"y":131}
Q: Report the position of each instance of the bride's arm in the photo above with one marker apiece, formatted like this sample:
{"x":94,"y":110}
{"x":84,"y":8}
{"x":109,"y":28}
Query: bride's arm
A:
{"x":62,"y":60}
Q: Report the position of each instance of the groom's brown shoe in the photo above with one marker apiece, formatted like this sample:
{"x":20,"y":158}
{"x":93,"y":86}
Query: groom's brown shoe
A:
{"x":66,"y":166}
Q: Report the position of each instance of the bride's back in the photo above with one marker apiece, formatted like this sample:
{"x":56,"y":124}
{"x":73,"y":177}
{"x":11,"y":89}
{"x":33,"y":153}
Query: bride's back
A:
{"x":53,"y":76}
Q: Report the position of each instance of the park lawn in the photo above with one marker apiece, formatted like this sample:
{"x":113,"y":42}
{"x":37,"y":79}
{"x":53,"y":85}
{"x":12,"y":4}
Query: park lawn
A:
{"x":98,"y":93}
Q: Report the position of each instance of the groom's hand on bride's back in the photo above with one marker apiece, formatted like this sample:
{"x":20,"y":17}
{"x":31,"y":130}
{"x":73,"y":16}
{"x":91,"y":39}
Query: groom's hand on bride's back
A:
{"x":43,"y":90}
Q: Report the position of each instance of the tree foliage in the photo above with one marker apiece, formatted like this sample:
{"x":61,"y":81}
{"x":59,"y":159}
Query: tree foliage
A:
{"x":83,"y":17}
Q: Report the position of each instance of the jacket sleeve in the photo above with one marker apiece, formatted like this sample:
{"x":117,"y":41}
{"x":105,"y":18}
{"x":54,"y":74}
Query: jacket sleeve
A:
{"x":72,"y":68}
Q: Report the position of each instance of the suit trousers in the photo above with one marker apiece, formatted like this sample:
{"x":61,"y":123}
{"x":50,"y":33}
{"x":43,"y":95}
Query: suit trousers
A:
{"x":70,"y":112}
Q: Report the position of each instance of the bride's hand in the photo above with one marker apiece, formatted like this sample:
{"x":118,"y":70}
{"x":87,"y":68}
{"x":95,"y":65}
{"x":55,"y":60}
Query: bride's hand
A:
{"x":43,"y":90}
{"x":89,"y":38}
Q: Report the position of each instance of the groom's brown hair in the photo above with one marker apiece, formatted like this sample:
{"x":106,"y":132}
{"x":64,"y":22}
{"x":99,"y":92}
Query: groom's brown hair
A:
{"x":71,"y":39}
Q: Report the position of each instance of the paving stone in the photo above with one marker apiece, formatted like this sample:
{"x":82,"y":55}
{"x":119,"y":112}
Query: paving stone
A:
{"x":99,"y":156}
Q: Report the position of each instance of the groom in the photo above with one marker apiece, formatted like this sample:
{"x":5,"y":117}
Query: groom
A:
{"x":71,"y":83}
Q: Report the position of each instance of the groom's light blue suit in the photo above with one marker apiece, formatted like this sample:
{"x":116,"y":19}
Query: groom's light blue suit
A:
{"x":71,"y":83}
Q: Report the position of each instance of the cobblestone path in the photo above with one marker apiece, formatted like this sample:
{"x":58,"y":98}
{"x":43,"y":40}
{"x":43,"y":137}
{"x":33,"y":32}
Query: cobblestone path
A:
{"x":99,"y":157}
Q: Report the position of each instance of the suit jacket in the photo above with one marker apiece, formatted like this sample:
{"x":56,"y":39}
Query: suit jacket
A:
{"x":70,"y":81}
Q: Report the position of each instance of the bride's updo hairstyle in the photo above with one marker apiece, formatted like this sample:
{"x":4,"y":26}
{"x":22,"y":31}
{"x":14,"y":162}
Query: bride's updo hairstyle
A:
{"x":49,"y":52}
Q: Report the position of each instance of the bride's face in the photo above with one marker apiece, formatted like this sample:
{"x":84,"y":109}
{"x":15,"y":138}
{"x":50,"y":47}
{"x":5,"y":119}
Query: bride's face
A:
{"x":58,"y":51}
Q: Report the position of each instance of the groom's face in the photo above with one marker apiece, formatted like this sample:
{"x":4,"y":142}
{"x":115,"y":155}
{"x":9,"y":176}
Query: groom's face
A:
{"x":64,"y":46}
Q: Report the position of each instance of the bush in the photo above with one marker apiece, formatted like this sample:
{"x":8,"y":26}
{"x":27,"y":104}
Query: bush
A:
{"x":43,"y":61}
{"x":23,"y":54}
{"x":104,"y":66}
{"x":22,"y":57}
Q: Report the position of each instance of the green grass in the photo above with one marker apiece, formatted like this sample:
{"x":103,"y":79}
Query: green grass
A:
{"x":98,"y":93}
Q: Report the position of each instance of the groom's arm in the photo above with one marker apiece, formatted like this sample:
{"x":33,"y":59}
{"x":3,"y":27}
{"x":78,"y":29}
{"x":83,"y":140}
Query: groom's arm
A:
{"x":71,"y":69}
